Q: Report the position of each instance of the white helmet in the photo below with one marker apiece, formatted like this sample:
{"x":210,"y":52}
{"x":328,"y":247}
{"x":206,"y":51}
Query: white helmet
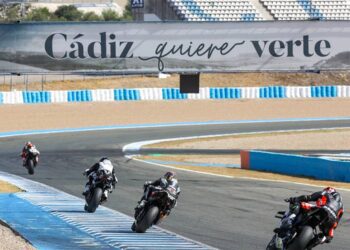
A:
{"x":106,"y":165}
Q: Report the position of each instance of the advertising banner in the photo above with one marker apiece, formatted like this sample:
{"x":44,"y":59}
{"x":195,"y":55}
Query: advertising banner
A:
{"x":137,"y":4}
{"x":128,"y":48}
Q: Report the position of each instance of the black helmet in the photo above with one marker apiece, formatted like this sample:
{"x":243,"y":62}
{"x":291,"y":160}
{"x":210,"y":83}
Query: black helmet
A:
{"x":169,"y":175}
{"x":104,"y":158}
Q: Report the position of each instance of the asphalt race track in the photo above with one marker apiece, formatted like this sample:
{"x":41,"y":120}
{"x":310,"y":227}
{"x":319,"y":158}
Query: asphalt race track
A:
{"x":221,"y":212}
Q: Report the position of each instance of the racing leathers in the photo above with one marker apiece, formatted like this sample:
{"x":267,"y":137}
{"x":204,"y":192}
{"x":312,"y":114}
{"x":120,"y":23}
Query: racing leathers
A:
{"x":149,"y":186}
{"x":91,"y":173}
{"x":25,"y":151}
{"x":331,"y":206}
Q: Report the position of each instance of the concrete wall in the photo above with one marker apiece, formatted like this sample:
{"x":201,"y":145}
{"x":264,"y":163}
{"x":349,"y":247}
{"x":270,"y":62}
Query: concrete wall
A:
{"x":318,"y":168}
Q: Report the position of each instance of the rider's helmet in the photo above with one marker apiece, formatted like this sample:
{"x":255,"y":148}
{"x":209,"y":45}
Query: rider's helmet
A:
{"x":29,"y":144}
{"x":106,"y":165}
{"x":330,"y":190}
{"x":334,"y":193}
{"x":104,"y":158}
{"x":169,"y":175}
{"x":323,"y":200}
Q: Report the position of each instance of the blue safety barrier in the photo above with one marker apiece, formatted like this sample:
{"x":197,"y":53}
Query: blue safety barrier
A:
{"x":173,"y":93}
{"x":1,"y":98}
{"x":324,"y":91}
{"x":36,"y":97}
{"x":79,"y":96}
{"x":319,"y":168}
{"x":272,"y":92}
{"x":225,"y":93}
{"x":126,"y":94}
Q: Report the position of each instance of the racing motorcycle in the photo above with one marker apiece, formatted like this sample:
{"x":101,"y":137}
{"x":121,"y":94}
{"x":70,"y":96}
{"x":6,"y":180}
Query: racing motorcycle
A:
{"x":31,"y":160}
{"x":157,"y":208}
{"x":101,"y":184}
{"x":303,"y":233}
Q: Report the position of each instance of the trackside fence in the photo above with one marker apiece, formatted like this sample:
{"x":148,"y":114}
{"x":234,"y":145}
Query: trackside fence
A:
{"x":110,"y":95}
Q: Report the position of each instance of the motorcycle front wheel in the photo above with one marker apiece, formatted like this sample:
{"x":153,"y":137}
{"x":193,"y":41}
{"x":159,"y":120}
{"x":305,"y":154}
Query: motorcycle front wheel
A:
{"x":303,"y":239}
{"x":30,"y":166}
{"x":94,"y":201}
{"x":147,"y":220}
{"x":272,"y":245}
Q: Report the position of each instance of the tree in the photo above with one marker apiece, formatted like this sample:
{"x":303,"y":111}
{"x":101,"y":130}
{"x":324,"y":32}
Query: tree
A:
{"x":110,"y":15}
{"x":90,"y":16}
{"x":11,"y":12}
{"x":39,"y":14}
{"x":68,"y":13}
{"x":127,"y":14}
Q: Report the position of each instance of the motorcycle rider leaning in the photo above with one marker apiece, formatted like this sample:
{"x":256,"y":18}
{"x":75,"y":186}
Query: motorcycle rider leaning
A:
{"x":149,"y":186}
{"x":104,"y":161}
{"x":27,"y":147}
{"x":332,"y":207}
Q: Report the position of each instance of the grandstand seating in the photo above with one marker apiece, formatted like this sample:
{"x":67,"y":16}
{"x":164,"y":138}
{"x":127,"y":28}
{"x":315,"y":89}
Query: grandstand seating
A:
{"x":244,"y":10}
{"x":218,"y":10}
{"x":308,"y":9}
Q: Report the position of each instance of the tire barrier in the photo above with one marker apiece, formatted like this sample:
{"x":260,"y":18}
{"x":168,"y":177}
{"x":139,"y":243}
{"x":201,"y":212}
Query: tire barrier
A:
{"x":36,"y":97}
{"x":298,"y":92}
{"x":126,"y":94}
{"x":103,"y":95}
{"x":173,"y":94}
{"x":297,"y":165}
{"x":15,"y":97}
{"x":204,"y":93}
{"x":59,"y":96}
{"x":79,"y":96}
{"x":324,"y":91}
{"x":251,"y":92}
{"x":272,"y":92}
{"x":225,"y":93}
{"x":343,"y":91}
{"x":110,"y":95}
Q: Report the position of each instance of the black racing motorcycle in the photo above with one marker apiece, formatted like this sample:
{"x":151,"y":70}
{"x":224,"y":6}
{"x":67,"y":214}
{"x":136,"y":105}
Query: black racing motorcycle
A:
{"x":101,"y":181}
{"x":303,"y":233}
{"x":31,"y":160}
{"x":157,"y":208}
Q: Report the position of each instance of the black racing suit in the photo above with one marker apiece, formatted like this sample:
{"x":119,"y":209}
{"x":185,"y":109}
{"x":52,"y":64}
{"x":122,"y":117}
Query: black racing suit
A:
{"x":332,"y":208}
{"x":149,"y":186}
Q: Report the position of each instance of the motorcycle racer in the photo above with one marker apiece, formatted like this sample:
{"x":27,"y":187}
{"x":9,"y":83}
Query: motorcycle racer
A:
{"x":169,"y":180}
{"x":25,"y":151}
{"x":332,"y":207}
{"x":106,"y":165}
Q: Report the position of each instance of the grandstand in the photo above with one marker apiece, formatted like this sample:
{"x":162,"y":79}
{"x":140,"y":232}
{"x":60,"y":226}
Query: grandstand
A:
{"x":307,"y":9}
{"x":252,"y":10}
{"x":213,"y":10}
